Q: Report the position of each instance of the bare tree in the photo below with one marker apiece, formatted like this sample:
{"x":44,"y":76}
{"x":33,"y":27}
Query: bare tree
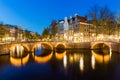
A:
{"x":117,"y":18}
{"x":54,"y":28}
{"x":107,"y":22}
{"x":103,"y":19}
{"x":46,"y":33}
{"x":92,"y":16}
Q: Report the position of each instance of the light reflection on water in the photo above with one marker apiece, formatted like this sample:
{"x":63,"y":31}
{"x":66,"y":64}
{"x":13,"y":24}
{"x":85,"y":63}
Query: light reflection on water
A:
{"x":42,"y":56}
{"x":93,"y":62}
{"x":65,"y":61}
{"x":19,"y":61}
{"x":17,"y":51}
{"x":60,"y":56}
{"x":38,"y":50}
{"x":18,"y":57}
{"x":42,"y":59}
{"x":68,"y":62}
{"x":101,"y":58}
{"x":81,"y":63}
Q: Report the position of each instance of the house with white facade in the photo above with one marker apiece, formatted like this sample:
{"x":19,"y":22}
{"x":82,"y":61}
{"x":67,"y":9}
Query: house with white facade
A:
{"x":75,"y":29}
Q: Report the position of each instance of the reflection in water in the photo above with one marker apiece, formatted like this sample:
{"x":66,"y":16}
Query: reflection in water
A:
{"x":17,"y":51}
{"x":110,"y":53}
{"x":81,"y":65}
{"x":75,"y":65}
{"x":18,"y":57}
{"x":19,"y":61}
{"x":20,"y":50}
{"x":93,"y":62}
{"x":60,"y":55}
{"x":101,"y":58}
{"x":38,"y":50}
{"x":71,"y":58}
{"x":81,"y":57}
{"x":43,"y":59}
{"x":40,"y":55}
{"x":65,"y":61}
{"x":76,"y":57}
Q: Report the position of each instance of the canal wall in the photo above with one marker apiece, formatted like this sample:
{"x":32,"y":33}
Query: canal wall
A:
{"x":4,"y":49}
{"x":115,"y":46}
{"x":78,"y":45}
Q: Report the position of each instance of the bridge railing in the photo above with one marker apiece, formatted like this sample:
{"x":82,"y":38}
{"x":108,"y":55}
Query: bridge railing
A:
{"x":31,"y":41}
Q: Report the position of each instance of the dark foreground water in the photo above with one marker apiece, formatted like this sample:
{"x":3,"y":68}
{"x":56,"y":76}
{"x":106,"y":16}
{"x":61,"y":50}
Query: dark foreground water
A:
{"x":61,"y":65}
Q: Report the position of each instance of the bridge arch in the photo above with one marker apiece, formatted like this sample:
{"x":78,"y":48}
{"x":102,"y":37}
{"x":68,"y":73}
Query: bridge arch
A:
{"x":60,"y":43}
{"x":25,"y":46}
{"x":95,"y":43}
{"x":43,"y":43}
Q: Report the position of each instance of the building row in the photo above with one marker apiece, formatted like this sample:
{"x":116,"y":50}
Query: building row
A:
{"x":13,"y":33}
{"x":75,"y":29}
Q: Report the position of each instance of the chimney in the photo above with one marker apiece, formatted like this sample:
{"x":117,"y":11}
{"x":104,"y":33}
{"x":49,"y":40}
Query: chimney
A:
{"x":76,"y":15}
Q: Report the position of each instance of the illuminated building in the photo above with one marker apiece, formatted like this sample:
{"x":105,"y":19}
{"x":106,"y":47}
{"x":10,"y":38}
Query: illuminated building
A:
{"x":12,"y":33}
{"x":76,"y":29}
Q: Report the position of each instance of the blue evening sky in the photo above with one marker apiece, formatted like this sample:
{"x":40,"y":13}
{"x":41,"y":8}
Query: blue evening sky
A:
{"x":34,"y":15}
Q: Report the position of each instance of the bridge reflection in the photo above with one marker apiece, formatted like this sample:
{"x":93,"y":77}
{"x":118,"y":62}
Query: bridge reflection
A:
{"x":60,"y":55}
{"x":76,"y":58}
{"x":19,"y":61}
{"x":65,"y":61}
{"x":81,"y":59}
{"x":81,"y":63}
{"x":101,"y":58}
{"x":42,"y":59}
{"x":17,"y":51}
{"x":40,"y":55}
{"x":93,"y":62}
{"x":18,"y":57}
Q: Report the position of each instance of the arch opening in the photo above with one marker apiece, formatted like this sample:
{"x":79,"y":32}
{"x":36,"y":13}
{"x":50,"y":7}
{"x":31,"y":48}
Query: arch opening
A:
{"x":102,"y":48}
{"x":45,"y":46}
{"x":60,"y":46}
{"x":18,"y":51}
{"x":41,"y":52}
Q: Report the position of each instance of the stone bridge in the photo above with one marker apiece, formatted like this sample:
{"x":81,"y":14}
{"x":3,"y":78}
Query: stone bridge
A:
{"x":30,"y":46}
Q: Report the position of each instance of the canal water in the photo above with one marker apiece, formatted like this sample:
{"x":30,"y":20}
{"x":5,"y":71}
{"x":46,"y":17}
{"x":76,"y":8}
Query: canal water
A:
{"x":82,"y":64}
